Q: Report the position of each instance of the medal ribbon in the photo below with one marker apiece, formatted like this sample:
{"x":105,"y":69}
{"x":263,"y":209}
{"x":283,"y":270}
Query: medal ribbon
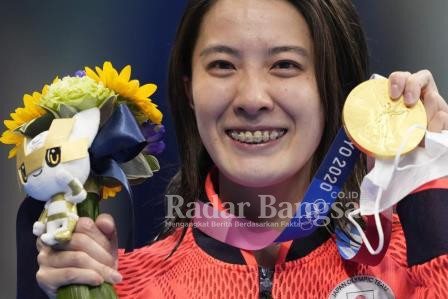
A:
{"x":247,"y":254}
{"x":311,"y":213}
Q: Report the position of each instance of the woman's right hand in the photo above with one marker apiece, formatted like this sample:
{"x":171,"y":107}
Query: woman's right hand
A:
{"x":91,"y":257}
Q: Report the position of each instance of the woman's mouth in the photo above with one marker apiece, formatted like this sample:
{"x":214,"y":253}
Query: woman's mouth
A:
{"x":255,"y":136}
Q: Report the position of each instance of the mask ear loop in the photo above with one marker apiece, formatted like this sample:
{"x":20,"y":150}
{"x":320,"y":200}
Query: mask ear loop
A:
{"x":378,"y":198}
{"x":378,"y":226}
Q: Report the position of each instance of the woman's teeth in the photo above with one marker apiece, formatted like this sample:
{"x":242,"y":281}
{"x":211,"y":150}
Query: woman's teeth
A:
{"x":256,"y":137}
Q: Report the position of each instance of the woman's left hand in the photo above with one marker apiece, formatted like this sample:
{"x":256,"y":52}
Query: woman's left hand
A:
{"x":421,"y":85}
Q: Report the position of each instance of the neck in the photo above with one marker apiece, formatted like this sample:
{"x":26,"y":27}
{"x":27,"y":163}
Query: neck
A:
{"x":267,"y":257}
{"x":263,"y":204}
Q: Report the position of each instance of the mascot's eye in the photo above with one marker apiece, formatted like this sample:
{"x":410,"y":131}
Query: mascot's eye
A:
{"x":22,"y":174}
{"x":53,"y":156}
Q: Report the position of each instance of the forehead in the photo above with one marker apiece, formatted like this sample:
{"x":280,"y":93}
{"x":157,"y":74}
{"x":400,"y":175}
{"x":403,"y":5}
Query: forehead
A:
{"x":254,"y":23}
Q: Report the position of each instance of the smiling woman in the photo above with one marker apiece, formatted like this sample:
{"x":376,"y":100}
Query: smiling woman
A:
{"x":269,"y":77}
{"x":244,"y":82}
{"x":256,"y":91}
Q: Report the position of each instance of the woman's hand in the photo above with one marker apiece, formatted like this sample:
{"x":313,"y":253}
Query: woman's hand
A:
{"x":421,"y":85}
{"x":89,"y":258}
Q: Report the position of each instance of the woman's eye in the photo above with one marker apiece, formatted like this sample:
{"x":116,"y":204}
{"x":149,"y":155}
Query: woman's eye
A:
{"x":220,"y":67}
{"x":286,"y":68}
{"x":53,"y":156}
{"x":285,"y":65}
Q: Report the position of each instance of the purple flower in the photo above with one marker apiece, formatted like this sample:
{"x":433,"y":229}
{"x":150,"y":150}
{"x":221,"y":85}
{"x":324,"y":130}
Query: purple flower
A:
{"x":154,"y":148}
{"x":80,"y":73}
{"x":153,"y":134}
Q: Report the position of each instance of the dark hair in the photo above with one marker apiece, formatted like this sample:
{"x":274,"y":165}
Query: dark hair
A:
{"x":341,"y":62}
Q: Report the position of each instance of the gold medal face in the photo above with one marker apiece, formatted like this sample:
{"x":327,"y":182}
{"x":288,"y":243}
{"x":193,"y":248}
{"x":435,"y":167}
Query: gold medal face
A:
{"x":376,"y":124}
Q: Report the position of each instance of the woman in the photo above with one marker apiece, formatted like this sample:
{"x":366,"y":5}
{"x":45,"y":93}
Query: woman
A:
{"x":256,"y":90}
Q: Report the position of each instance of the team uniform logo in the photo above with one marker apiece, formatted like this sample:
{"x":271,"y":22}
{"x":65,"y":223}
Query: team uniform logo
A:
{"x":362,"y":287}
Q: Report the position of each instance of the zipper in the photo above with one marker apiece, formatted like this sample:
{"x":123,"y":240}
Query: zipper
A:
{"x":265,"y":277}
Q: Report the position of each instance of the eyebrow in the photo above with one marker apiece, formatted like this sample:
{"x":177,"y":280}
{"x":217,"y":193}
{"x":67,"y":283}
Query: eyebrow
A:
{"x":220,"y":49}
{"x":298,"y":50}
{"x":272,"y":51}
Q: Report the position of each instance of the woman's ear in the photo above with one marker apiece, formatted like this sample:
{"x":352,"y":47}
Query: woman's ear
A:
{"x":187,"y":86}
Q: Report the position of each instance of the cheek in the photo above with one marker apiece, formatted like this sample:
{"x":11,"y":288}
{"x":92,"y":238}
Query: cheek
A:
{"x":206,"y":109}
{"x":211,"y":99}
{"x":302,"y":103}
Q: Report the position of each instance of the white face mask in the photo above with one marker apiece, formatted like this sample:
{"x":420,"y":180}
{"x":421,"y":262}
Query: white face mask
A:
{"x":391,"y":180}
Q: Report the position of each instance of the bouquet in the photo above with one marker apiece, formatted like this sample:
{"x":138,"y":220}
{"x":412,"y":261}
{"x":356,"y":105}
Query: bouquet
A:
{"x":82,"y":139}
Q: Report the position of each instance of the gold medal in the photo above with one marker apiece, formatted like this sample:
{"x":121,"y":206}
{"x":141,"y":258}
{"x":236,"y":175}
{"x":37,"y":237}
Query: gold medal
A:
{"x":377,"y":124}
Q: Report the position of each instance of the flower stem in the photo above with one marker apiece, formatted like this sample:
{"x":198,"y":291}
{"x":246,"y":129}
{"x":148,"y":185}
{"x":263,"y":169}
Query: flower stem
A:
{"x":88,"y":208}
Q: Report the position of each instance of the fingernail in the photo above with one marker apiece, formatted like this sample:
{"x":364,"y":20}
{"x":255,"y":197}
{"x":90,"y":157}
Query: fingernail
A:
{"x":394,"y":92}
{"x":408,"y":98}
{"x":116,"y":277}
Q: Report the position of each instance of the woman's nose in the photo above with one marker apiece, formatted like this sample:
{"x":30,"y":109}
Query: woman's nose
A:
{"x":252,"y":97}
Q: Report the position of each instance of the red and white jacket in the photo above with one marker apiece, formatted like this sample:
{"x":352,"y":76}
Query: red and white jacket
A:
{"x":415,"y":264}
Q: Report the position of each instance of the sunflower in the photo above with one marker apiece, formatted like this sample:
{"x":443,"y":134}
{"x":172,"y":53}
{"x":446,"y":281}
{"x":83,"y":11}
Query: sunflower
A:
{"x":129,"y":90}
{"x":109,"y":192}
{"x":30,"y":111}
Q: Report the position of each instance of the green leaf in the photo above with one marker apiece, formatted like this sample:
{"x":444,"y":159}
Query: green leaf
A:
{"x":137,"y":170}
{"x":136,"y":181}
{"x":36,"y":126}
{"x":76,"y":291}
{"x":153,"y":162}
{"x":91,"y":185}
{"x":66,"y":111}
{"x":104,"y":291}
{"x":106,"y":109}
{"x":73,"y":292}
{"x":51,"y":111}
{"x":89,"y":206}
{"x":110,"y":182}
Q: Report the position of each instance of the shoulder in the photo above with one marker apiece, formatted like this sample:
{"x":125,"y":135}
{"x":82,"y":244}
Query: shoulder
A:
{"x":427,"y":276}
{"x":398,"y":249}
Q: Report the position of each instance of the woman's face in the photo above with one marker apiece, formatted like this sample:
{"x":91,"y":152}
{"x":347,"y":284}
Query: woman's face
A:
{"x":254,"y":91}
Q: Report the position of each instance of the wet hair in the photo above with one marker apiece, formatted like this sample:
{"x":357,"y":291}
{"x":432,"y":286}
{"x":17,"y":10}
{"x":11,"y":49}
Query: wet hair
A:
{"x":341,"y":62}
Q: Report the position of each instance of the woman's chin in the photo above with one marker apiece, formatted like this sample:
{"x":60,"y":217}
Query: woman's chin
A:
{"x":263,"y":174}
{"x":256,"y":178}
